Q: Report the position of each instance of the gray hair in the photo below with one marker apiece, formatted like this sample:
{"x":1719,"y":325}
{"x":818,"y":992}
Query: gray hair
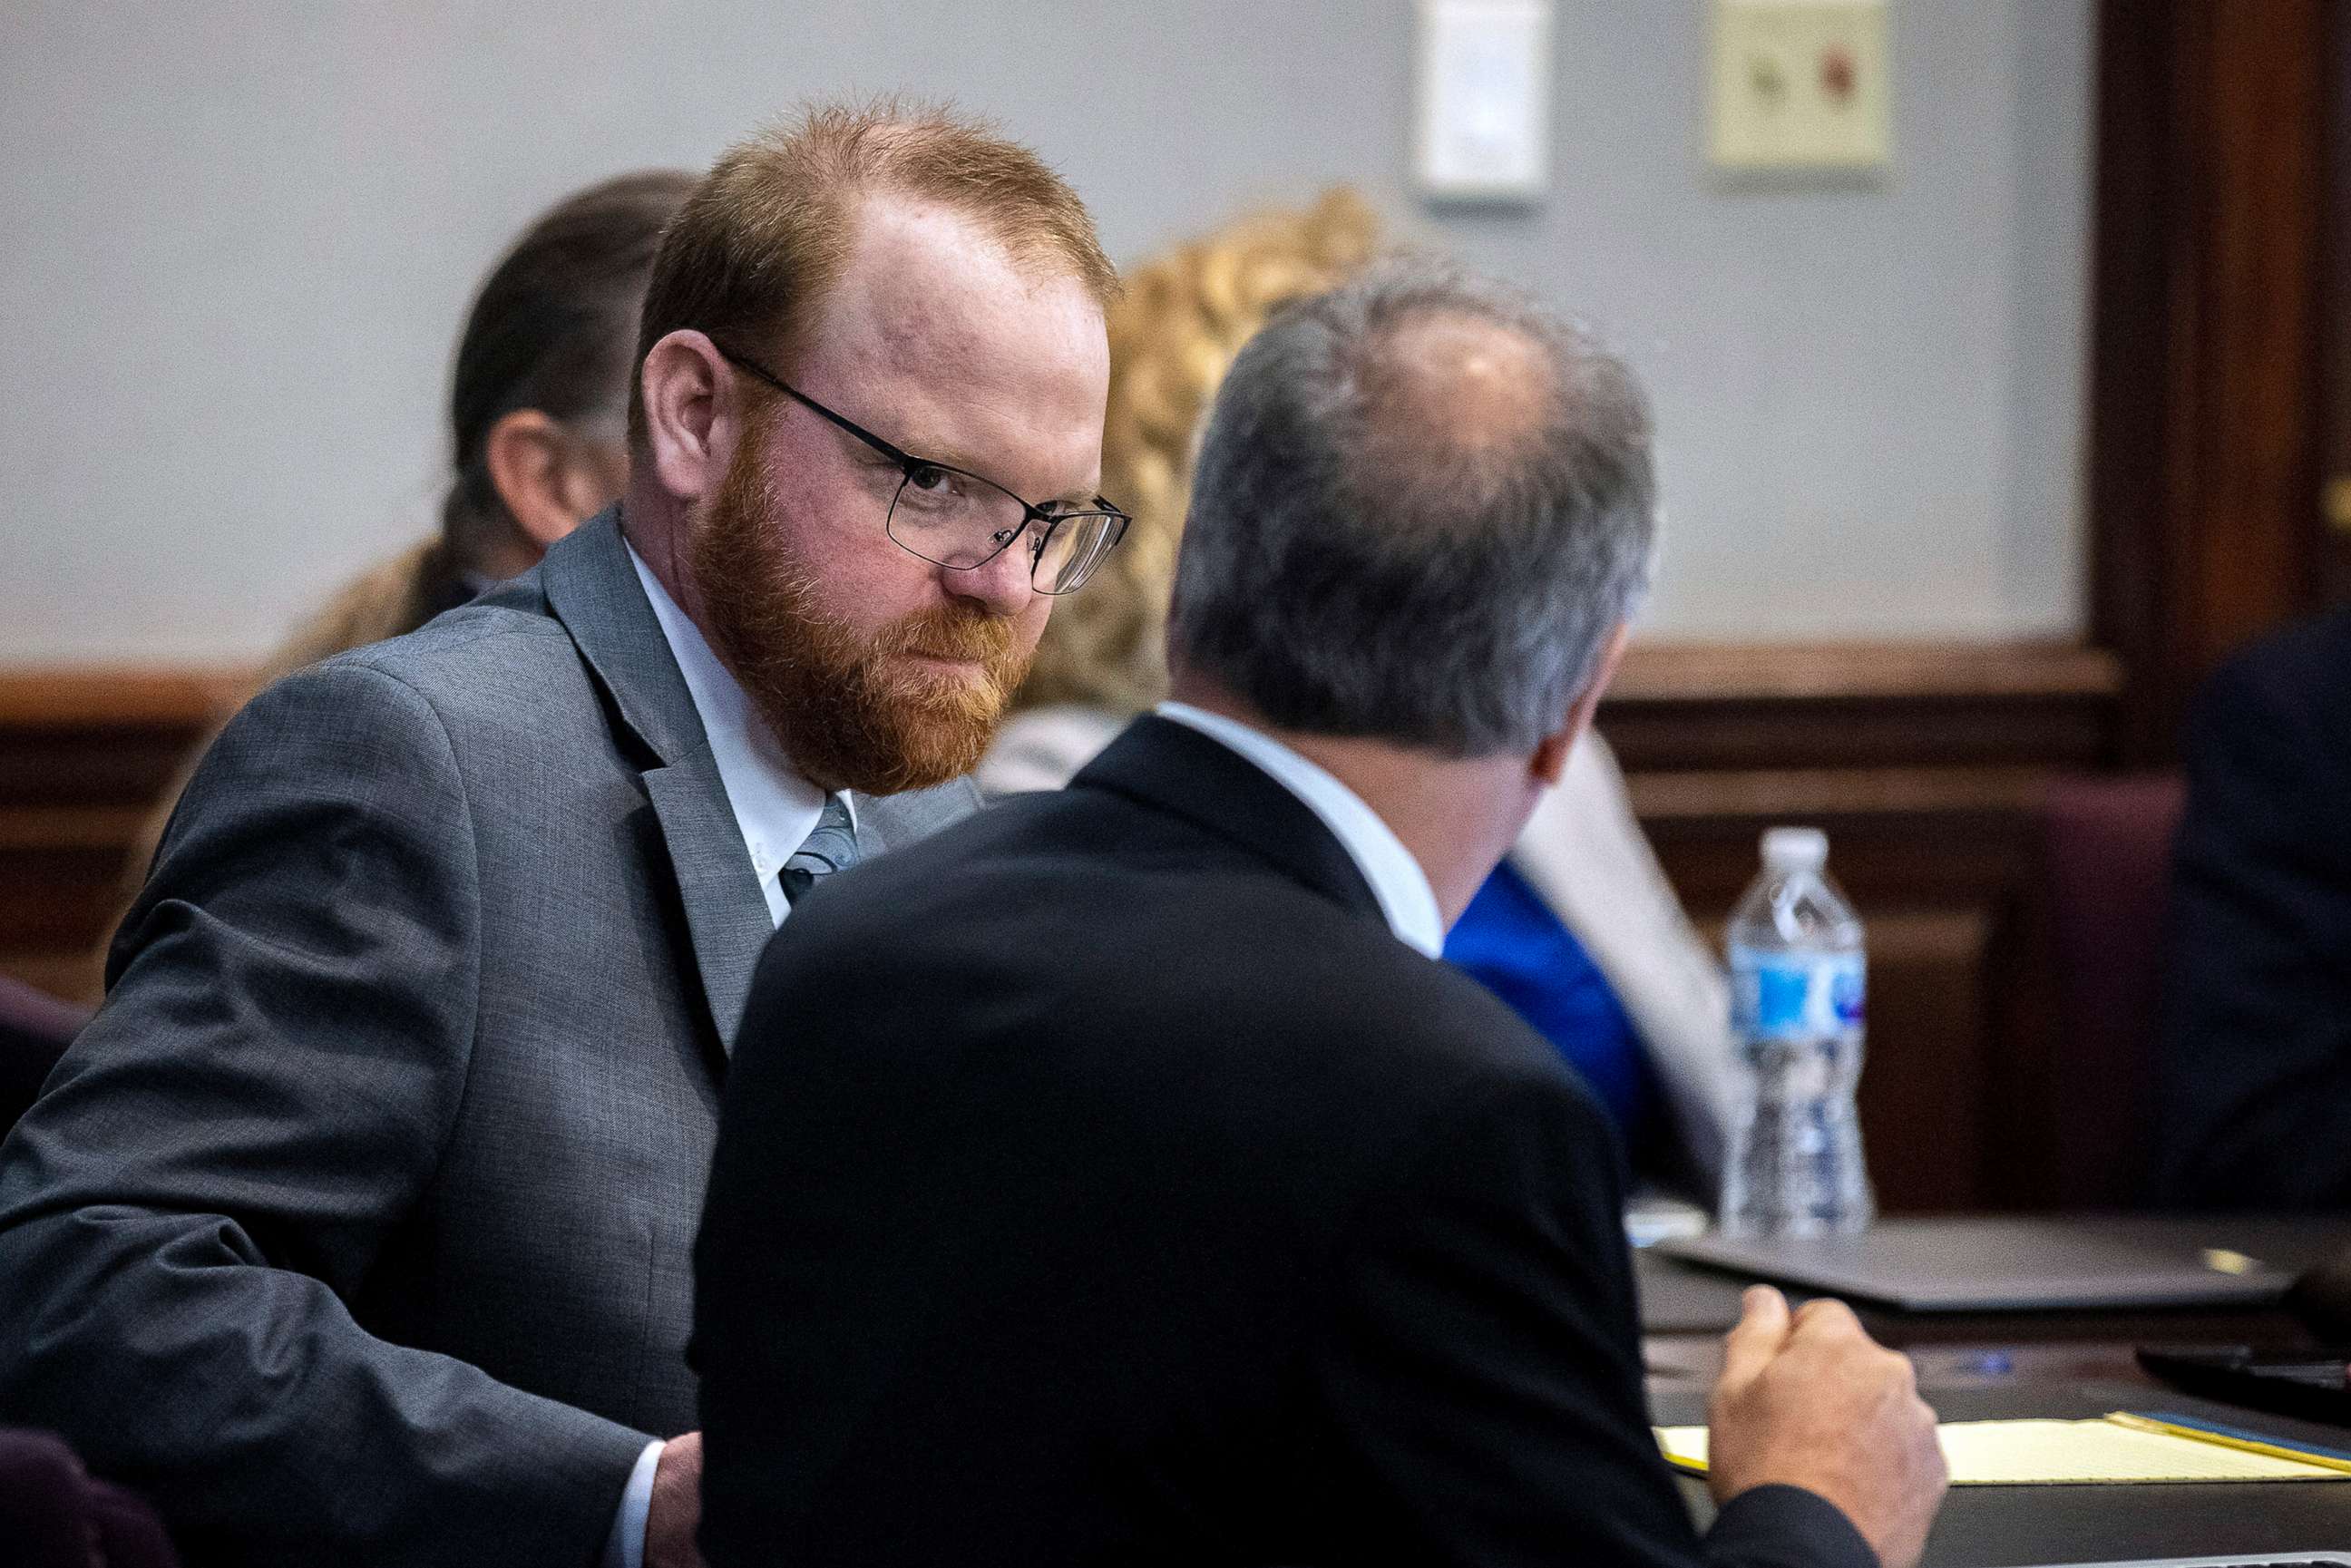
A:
{"x":1356,"y":563}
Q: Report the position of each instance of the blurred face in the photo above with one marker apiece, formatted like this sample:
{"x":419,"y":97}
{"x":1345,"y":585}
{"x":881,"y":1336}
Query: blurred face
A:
{"x":880,"y":671}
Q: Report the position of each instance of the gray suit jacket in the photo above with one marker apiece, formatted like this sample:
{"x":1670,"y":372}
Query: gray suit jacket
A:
{"x":358,"y":1226}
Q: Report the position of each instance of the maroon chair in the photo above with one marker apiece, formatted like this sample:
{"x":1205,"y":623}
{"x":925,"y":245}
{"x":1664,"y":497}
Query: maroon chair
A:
{"x":54,"y":1515}
{"x":2106,"y":848}
{"x":34,"y":1029}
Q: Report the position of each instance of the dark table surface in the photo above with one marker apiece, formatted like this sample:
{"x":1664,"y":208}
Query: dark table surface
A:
{"x":2073,"y":1364}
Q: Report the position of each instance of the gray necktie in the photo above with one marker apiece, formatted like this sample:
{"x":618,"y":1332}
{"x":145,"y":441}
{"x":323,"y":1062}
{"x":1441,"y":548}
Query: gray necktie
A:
{"x":831,"y":846}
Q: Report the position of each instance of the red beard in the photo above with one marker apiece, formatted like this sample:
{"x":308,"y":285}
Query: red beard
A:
{"x":851,"y":711}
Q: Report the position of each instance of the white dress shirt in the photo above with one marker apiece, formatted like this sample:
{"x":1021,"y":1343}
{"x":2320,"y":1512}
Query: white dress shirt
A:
{"x":1397,"y":880}
{"x":775,"y":810}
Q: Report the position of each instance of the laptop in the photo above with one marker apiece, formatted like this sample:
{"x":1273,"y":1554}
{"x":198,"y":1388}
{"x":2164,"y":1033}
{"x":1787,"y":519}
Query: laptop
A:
{"x":2027,"y":1264}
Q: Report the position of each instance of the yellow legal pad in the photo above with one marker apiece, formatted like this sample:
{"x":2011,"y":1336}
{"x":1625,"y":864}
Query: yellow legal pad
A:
{"x":2117,"y":1449}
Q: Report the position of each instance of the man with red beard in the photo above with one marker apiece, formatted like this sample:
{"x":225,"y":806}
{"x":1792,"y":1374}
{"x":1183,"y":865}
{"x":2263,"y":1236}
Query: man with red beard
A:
{"x":359,"y":1224}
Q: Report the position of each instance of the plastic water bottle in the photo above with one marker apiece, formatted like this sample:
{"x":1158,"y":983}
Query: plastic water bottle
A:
{"x":1797,"y":982}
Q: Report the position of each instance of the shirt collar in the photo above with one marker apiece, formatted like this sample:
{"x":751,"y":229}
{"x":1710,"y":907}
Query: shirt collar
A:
{"x":775,"y":808}
{"x":1397,"y":881}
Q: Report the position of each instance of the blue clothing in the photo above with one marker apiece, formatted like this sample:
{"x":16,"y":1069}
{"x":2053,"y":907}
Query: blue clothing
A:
{"x":1510,"y":943}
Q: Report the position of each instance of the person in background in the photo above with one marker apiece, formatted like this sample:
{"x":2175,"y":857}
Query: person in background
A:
{"x":2253,"y":1070}
{"x":538,"y":404}
{"x":357,"y":1226}
{"x":1144,"y":1192}
{"x":1578,"y":929}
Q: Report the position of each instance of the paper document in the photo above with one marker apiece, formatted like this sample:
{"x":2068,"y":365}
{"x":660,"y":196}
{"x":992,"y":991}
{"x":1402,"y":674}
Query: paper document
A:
{"x":2061,"y":1453}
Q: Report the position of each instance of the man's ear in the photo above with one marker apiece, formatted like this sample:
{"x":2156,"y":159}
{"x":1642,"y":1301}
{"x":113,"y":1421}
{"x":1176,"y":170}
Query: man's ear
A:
{"x":1550,"y":760}
{"x":688,"y":402}
{"x":550,"y":484}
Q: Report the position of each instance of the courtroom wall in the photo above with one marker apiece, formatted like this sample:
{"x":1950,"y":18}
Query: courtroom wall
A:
{"x":242,"y":237}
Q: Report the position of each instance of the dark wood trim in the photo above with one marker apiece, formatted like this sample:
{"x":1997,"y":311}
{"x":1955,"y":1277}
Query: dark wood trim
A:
{"x":1811,"y":792}
{"x":87,"y":696}
{"x":2335,"y":391}
{"x":84,"y":753}
{"x":2132,"y":315}
{"x":1720,"y":672}
{"x":1695,"y":708}
{"x":110,"y":697}
{"x":2203,"y":477}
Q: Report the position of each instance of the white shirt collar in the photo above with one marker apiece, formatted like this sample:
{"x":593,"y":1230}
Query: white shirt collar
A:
{"x":775,"y":808}
{"x":1397,"y":881}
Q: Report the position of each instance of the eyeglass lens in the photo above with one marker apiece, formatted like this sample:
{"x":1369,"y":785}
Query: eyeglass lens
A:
{"x":961,"y":521}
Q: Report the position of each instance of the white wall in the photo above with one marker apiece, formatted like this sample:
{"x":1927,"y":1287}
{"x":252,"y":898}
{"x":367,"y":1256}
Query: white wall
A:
{"x":240,"y":238}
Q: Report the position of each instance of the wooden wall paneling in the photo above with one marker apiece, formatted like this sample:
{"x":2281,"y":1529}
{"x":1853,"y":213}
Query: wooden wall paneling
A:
{"x":1948,"y":895}
{"x":1927,"y":1103}
{"x":1925,"y":1096}
{"x":84,"y":755}
{"x":2335,"y":265}
{"x":2132,"y":322}
{"x":1924,"y":763}
{"x":2249,"y":512}
{"x":2205,"y":339}
{"x":1843,"y":709}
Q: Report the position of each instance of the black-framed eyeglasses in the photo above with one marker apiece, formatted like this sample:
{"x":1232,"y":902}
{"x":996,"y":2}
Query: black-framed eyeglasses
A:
{"x":954,"y":518}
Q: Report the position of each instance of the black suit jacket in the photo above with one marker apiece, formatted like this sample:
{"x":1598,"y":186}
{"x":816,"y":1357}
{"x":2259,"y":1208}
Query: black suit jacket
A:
{"x":2253,"y":1094}
{"x":1139,"y":1198}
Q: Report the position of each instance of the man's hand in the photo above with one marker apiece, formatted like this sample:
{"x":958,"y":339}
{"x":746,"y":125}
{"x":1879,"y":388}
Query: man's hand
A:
{"x":1814,"y":1402}
{"x":676,"y":1511}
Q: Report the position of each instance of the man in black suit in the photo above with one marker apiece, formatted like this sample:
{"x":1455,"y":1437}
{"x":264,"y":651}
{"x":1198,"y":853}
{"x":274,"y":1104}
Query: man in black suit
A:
{"x":1146,"y":1192}
{"x":2253,"y":1086}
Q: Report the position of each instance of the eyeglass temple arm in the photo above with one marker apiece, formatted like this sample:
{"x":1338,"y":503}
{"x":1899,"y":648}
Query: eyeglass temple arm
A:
{"x":814,"y":407}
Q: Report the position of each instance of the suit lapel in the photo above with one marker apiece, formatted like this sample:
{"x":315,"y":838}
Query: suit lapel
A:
{"x":726,"y":912}
{"x":592,"y":587}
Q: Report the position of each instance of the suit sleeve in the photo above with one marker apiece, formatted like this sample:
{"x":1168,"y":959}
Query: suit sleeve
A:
{"x":1483,"y":1368}
{"x":220,"y":1159}
{"x":2254,"y":1088}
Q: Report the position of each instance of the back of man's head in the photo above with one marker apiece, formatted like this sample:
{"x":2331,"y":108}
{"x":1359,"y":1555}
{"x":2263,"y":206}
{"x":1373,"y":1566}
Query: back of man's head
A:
{"x":758,"y":246}
{"x":1422,"y":506}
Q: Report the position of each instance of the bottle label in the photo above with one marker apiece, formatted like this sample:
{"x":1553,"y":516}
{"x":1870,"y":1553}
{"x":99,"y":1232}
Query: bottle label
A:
{"x":1788,"y":996}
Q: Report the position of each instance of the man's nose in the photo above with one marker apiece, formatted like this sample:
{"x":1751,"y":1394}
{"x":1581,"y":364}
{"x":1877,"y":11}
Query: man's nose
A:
{"x":1000,"y":582}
